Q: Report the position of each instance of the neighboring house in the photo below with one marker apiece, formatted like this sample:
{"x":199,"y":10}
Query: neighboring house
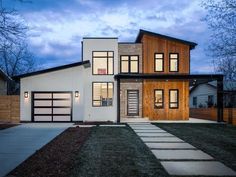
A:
{"x":147,"y":78}
{"x":5,"y":83}
{"x":205,"y":95}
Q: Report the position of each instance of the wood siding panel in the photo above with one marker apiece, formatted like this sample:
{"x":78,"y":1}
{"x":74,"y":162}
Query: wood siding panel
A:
{"x":182,"y":113}
{"x":153,"y":45}
{"x":10,"y":109}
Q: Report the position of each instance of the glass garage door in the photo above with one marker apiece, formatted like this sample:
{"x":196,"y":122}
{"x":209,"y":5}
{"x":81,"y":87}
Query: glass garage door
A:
{"x":51,"y":106}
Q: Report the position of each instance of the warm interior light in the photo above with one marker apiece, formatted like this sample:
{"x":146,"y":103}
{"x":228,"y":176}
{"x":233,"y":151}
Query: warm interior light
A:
{"x":26,"y":94}
{"x":76,"y":93}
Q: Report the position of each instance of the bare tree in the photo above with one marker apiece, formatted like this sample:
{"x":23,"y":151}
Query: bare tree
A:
{"x":221,"y":19}
{"x":16,"y":59}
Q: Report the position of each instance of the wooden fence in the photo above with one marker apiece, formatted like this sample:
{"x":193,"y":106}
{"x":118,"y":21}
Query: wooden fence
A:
{"x":211,"y":114}
{"x":10,"y":109}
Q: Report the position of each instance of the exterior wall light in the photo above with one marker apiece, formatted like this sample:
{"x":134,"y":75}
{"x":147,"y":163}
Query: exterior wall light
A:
{"x":76,"y":94}
{"x":26,"y":94}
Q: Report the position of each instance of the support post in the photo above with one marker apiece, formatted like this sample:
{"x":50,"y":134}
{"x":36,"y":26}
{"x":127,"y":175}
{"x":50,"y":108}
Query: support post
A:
{"x":220,"y":99}
{"x":118,"y":100}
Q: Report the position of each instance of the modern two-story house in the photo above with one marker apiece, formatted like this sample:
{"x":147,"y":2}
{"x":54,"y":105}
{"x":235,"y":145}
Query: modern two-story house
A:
{"x":148,"y":78}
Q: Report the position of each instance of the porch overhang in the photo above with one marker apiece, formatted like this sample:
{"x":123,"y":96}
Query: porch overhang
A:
{"x":194,"y":79}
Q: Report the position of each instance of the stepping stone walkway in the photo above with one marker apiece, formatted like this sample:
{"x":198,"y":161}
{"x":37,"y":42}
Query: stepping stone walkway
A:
{"x":176,"y":156}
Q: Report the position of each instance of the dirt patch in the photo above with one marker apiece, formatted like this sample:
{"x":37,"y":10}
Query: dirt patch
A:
{"x":56,"y":158}
{"x":5,"y":126}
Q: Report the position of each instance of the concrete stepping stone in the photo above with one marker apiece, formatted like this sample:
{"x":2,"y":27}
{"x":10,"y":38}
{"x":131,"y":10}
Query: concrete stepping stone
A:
{"x":181,"y":155}
{"x":170,"y":146}
{"x":115,"y":125}
{"x":150,"y":131}
{"x":161,"y":139}
{"x":155,"y":134}
{"x":206,"y":168}
{"x":146,"y":128}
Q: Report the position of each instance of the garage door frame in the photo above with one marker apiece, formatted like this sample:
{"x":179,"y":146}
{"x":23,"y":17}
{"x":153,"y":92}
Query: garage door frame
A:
{"x":32,"y":105}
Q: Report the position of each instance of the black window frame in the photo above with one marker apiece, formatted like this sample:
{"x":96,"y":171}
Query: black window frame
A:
{"x":155,"y":59}
{"x":155,"y":107}
{"x":173,"y":59}
{"x":177,"y":103}
{"x":129,"y":64}
{"x":107,"y":93}
{"x":107,"y":57}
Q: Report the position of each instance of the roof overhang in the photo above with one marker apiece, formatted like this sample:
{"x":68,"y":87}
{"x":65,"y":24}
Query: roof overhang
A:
{"x":194,"y":79}
{"x":192,"y":45}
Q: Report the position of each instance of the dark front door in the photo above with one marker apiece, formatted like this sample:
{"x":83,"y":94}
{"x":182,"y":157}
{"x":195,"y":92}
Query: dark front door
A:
{"x":132,"y":102}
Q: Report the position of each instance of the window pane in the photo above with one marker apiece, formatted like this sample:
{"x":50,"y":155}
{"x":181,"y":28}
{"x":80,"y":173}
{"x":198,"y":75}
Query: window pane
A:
{"x":96,"y":91}
{"x":100,"y":54}
{"x":134,"y":66}
{"x":158,"y":98}
{"x":99,"y":65}
{"x":159,"y":65}
{"x":175,"y":55}
{"x":173,"y":65}
{"x":173,"y":96}
{"x":134,"y":57}
{"x":110,"y":66}
{"x":158,"y":55}
{"x":110,"y":54}
{"x":173,"y":105}
{"x":124,"y":66}
{"x":124,"y":58}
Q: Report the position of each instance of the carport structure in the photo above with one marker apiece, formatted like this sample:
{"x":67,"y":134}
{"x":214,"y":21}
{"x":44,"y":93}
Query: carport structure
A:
{"x":194,"y":79}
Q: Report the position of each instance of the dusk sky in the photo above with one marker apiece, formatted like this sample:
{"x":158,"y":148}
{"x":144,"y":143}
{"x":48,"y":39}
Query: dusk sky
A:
{"x":58,"y":26}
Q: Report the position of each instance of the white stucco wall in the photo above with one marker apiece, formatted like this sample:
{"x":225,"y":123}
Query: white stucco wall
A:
{"x":202,"y":92}
{"x":70,"y":79}
{"x":99,"y":113}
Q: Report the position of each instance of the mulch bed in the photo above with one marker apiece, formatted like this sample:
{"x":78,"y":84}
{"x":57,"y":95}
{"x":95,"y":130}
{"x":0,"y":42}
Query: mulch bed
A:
{"x":55,"y":159}
{"x":5,"y":126}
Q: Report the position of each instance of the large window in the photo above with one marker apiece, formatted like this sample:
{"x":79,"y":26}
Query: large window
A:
{"x":159,"y":98}
{"x":174,"y":99}
{"x":174,"y":62}
{"x":102,"y":93}
{"x":103,"y":63}
{"x":129,"y":64}
{"x":159,"y":62}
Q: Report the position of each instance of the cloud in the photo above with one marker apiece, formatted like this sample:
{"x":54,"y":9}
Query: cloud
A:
{"x":57,"y":27}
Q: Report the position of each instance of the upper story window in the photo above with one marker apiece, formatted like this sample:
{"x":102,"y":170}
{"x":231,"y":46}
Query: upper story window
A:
{"x":103,"y":63}
{"x":102,"y":94}
{"x":129,"y":64}
{"x":159,"y":62}
{"x":174,"y":99}
{"x":174,"y":62}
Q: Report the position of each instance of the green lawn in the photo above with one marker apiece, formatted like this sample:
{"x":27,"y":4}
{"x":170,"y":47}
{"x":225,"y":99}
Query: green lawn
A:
{"x":218,"y":140}
{"x":111,"y":152}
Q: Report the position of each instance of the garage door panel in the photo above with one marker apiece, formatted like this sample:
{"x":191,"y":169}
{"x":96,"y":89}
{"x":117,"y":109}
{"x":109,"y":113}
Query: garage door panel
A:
{"x":42,"y":95}
{"x":42,"y":103}
{"x":42,"y":111}
{"x":62,"y":95}
{"x":43,"y":118}
{"x":61,"y":118}
{"x":61,"y":110}
{"x":61,"y":102}
{"x":52,"y":106}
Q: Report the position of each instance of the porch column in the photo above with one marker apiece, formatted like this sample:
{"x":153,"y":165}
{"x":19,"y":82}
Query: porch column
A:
{"x":118,"y":100}
{"x":220,"y":99}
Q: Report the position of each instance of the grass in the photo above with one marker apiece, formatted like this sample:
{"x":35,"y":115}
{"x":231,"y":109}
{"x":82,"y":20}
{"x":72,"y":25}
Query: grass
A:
{"x":115,"y":152}
{"x":218,"y":140}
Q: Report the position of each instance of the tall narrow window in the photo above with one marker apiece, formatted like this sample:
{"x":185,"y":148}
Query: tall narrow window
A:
{"x":102,"y":94}
{"x":129,"y":64}
{"x":159,"y":62}
{"x":195,"y":101}
{"x":159,"y":98}
{"x":103,"y":63}
{"x":174,"y":62}
{"x":174,"y":99}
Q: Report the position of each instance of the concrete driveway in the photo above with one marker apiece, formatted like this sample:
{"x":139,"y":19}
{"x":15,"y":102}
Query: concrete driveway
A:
{"x":20,"y":142}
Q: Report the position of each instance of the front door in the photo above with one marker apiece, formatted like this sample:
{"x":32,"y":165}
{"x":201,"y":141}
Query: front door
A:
{"x":132,"y":102}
